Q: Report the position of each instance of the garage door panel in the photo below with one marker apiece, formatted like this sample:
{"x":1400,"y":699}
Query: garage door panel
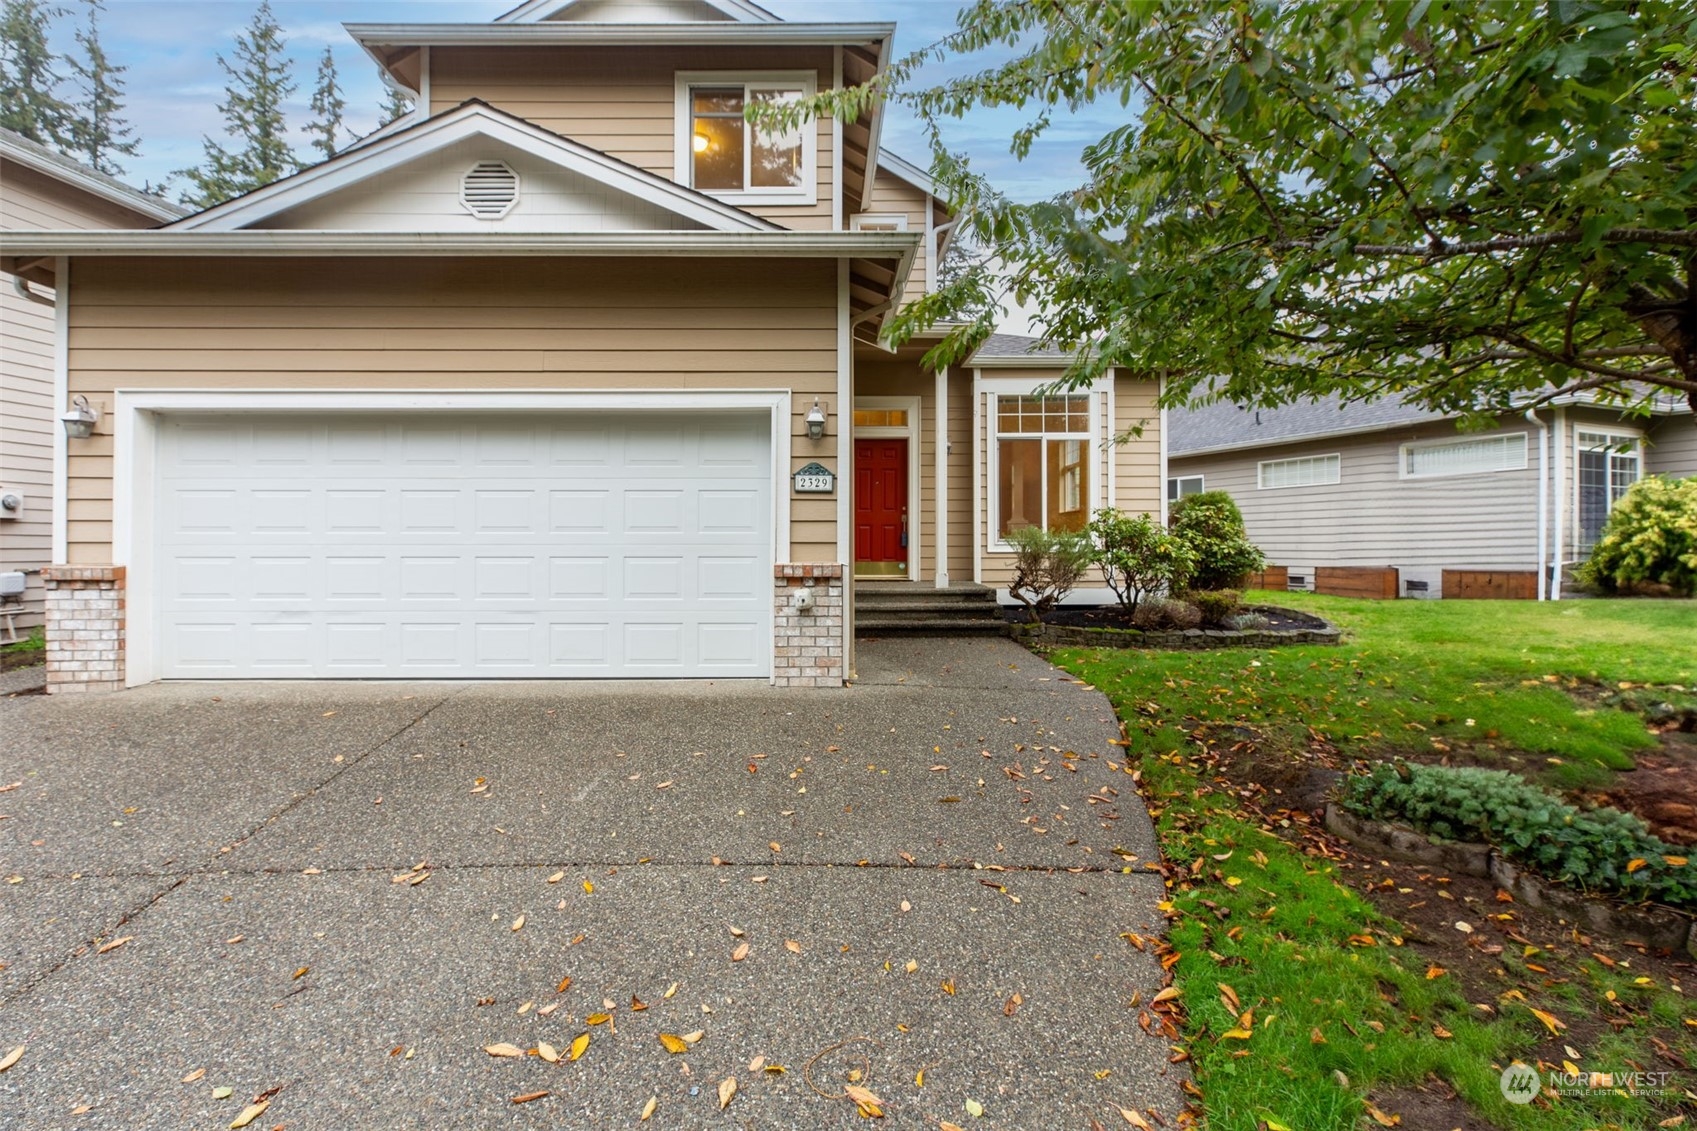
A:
{"x":603,"y":546}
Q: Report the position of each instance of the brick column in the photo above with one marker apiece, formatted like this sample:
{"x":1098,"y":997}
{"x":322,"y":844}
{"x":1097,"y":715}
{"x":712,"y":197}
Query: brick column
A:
{"x":85,"y":628}
{"x":809,"y":648}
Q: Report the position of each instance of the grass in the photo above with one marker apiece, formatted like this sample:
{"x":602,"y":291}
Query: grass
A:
{"x":1490,"y":679}
{"x":36,"y":641}
{"x":1338,"y":1006}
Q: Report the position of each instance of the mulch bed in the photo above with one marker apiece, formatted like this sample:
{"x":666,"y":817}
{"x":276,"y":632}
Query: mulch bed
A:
{"x":1115,"y":616}
{"x":10,"y":661}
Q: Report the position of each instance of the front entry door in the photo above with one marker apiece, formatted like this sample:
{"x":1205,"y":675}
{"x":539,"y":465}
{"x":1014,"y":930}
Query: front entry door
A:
{"x":880,"y":507}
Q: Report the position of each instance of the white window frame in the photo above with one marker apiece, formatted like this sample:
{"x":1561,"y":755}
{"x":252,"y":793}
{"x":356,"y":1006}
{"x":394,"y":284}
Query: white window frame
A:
{"x":878,"y":222}
{"x":1619,"y":441}
{"x":993,"y":468}
{"x":1505,"y":440}
{"x":683,"y":143}
{"x":1175,"y":483}
{"x":1335,"y":458}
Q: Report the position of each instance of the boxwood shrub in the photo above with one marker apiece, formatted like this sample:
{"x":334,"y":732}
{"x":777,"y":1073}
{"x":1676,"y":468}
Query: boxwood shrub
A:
{"x":1599,"y":849}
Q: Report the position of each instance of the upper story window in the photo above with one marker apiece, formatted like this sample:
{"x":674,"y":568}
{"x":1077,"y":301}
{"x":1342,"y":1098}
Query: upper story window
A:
{"x":720,"y":152}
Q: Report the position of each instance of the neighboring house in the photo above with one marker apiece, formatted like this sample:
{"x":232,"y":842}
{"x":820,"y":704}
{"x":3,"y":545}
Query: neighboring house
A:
{"x":571,"y":373}
{"x":40,"y":188}
{"x":1388,"y":484}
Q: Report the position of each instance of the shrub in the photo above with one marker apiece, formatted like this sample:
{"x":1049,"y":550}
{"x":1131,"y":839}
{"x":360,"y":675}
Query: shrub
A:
{"x":1046,"y":567}
{"x":1216,"y":605}
{"x":1603,"y":849}
{"x":1247,"y":622}
{"x":1212,"y":526}
{"x":1649,"y":540}
{"x":1156,"y":613}
{"x":1137,"y":557}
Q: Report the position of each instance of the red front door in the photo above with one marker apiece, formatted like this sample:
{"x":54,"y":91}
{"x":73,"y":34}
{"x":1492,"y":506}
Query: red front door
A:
{"x":880,"y":502}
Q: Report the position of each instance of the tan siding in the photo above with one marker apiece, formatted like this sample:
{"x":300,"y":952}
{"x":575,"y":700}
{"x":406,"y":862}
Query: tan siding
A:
{"x":350,"y":324}
{"x":892,"y":195}
{"x":960,"y":474}
{"x":621,"y":100}
{"x":886,"y":376}
{"x":27,"y":413}
{"x":1373,"y":517}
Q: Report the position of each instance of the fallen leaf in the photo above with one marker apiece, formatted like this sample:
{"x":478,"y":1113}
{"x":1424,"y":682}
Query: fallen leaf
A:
{"x":975,"y":1109}
{"x":1133,"y":1118}
{"x":195,"y":1075}
{"x":588,"y":888}
{"x":598,"y":1019}
{"x":868,"y":1104}
{"x":664,"y":785}
{"x":1236,"y":1035}
{"x":912,"y":965}
{"x":16,"y":1055}
{"x":82,"y":1109}
{"x":670,"y":990}
{"x":1010,"y":1006}
{"x":579,"y":1044}
{"x":792,"y":946}
{"x":1441,"y":1033}
{"x":548,"y":1052}
{"x":740,"y":953}
{"x":1435,"y":972}
{"x":517,"y":923}
{"x":301,"y":973}
{"x":1381,"y":1118}
{"x":223,"y":1093}
{"x":773,"y":845}
{"x":528,"y":1096}
{"x":727,"y":1089}
{"x":249,"y":1113}
{"x":691,"y":1038}
{"x":648,"y":1108}
{"x":674,"y":1043}
{"x":1464,"y":927}
{"x":945,"y":1125}
{"x":114,"y":944}
{"x":949,"y":986}
{"x":556,"y":877}
{"x":1167,"y":994}
{"x":1315,"y":1037}
{"x":737,"y":932}
{"x":565,"y":984}
{"x":1551,"y":1022}
{"x":637,"y":1005}
{"x":503,"y":1049}
{"x":1635,"y":864}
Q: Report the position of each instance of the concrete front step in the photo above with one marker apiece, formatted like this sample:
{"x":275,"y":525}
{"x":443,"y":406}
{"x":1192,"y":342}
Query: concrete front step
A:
{"x":927,"y":626}
{"x":933,"y":609}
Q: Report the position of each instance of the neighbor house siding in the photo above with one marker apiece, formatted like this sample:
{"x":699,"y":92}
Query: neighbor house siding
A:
{"x":622,"y":100}
{"x":1672,"y":448}
{"x":29,"y":200}
{"x":580,"y":324}
{"x":1375,"y":517}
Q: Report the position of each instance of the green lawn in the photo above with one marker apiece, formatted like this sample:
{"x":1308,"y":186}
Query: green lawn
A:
{"x":1338,"y":1005}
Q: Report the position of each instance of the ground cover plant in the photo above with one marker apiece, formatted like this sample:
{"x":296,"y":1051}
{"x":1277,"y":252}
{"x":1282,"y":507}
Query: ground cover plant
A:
{"x":1326,"y":989}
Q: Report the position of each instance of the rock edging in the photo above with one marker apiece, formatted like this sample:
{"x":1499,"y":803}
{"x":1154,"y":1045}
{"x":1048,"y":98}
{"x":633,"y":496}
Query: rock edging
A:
{"x":1652,"y":924}
{"x":1315,"y":631}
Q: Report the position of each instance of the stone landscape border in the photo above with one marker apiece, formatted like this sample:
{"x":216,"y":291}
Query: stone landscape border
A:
{"x":1314,"y":631}
{"x":1652,"y":924}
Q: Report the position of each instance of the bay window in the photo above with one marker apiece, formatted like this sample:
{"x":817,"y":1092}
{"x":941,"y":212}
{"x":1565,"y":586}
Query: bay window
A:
{"x":1042,"y":463}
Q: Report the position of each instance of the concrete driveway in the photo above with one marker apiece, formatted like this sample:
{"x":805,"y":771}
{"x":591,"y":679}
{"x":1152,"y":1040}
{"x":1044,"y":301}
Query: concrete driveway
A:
{"x":348,"y":891}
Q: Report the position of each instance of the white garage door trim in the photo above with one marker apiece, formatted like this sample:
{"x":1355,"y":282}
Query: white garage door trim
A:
{"x":137,"y":412}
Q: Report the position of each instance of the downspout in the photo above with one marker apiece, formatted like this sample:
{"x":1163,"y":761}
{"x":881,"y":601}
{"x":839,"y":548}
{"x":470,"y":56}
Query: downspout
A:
{"x":1561,"y":499}
{"x":1543,"y":503}
{"x":21,"y":285}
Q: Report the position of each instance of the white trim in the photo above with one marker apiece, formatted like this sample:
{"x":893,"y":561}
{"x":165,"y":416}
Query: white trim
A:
{"x":1262,"y":465}
{"x":909,"y":172}
{"x":79,"y":176}
{"x":895,"y":221}
{"x":911,"y":432}
{"x":837,"y":203}
{"x":1096,"y":404}
{"x":931,"y":256}
{"x":421,"y":108}
{"x":979,"y":475}
{"x":22,"y":246}
{"x":375,"y":37}
{"x":845,"y":458}
{"x":875,"y":128}
{"x":1503,"y":438}
{"x":1161,"y":422}
{"x":739,"y":10}
{"x":940,"y":469}
{"x":135,"y":418}
{"x":1631,"y":436}
{"x":61,"y":403}
{"x":1558,"y":497}
{"x":683,"y":155}
{"x":1167,"y":495}
{"x":451,"y":128}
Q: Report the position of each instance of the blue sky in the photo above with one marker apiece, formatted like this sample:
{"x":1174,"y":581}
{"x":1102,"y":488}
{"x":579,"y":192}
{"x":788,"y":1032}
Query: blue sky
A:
{"x":174,"y":83}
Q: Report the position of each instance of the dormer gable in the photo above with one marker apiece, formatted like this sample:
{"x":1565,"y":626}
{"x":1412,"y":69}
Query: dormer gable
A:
{"x":475,"y":168}
{"x":637,"y":12}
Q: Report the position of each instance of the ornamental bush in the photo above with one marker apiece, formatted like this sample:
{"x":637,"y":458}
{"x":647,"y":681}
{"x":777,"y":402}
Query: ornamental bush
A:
{"x":1650,"y":539}
{"x":1210,"y":524}
{"x":1046,"y":567}
{"x":1137,"y":558}
{"x":1601,"y":849}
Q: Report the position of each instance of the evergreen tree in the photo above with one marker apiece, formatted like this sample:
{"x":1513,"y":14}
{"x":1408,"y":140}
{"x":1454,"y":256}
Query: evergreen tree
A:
{"x":29,"y":101}
{"x":327,"y":106}
{"x":99,"y":134}
{"x":261,"y":79}
{"x":398,"y":106}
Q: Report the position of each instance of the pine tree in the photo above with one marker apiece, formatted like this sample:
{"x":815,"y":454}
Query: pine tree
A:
{"x":100,"y":135}
{"x":327,"y":105}
{"x":261,"y":79}
{"x":29,"y":100}
{"x":398,"y":106}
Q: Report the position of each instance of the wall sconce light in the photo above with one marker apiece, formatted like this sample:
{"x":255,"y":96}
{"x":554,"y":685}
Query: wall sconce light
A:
{"x":80,"y":422}
{"x":816,"y":421}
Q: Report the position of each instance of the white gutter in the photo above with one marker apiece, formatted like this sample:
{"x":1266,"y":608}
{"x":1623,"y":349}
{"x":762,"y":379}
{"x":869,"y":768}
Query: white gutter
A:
{"x":21,"y":285}
{"x":1560,"y":492}
{"x":26,"y":245}
{"x":1543,"y":503}
{"x":694,"y":33}
{"x":875,"y":131}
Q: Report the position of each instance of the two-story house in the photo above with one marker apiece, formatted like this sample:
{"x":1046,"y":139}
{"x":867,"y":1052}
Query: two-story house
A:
{"x":572,"y":373}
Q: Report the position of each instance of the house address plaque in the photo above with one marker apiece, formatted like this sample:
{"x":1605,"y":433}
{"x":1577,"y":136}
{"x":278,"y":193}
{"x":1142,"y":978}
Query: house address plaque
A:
{"x":815,"y":479}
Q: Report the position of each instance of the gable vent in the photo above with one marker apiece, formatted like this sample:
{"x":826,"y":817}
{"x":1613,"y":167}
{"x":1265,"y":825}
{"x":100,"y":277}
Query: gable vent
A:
{"x":489,"y":190}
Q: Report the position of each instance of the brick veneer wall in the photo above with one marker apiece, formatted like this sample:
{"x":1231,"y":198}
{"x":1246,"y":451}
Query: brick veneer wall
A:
{"x":85,"y":628}
{"x":809,"y":649}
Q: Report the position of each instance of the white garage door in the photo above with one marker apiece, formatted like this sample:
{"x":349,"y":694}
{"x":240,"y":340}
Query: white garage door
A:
{"x":458,"y":545}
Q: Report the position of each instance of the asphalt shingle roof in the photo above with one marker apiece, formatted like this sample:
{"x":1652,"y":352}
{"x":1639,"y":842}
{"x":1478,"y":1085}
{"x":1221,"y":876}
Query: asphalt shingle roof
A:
{"x":1018,"y":345}
{"x":1225,"y":425}
{"x":70,"y":165}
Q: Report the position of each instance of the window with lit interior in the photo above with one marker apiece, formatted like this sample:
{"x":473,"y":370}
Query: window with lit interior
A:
{"x":1042,"y":463}
{"x":724,"y":154}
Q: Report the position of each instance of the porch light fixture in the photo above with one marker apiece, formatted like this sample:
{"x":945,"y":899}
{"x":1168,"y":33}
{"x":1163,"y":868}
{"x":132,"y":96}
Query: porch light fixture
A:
{"x":816,"y":421}
{"x":80,"y":421}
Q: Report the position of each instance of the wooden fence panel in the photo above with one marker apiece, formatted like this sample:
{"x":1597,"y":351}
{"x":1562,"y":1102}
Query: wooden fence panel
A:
{"x":1493,"y":585}
{"x":1357,"y":581}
